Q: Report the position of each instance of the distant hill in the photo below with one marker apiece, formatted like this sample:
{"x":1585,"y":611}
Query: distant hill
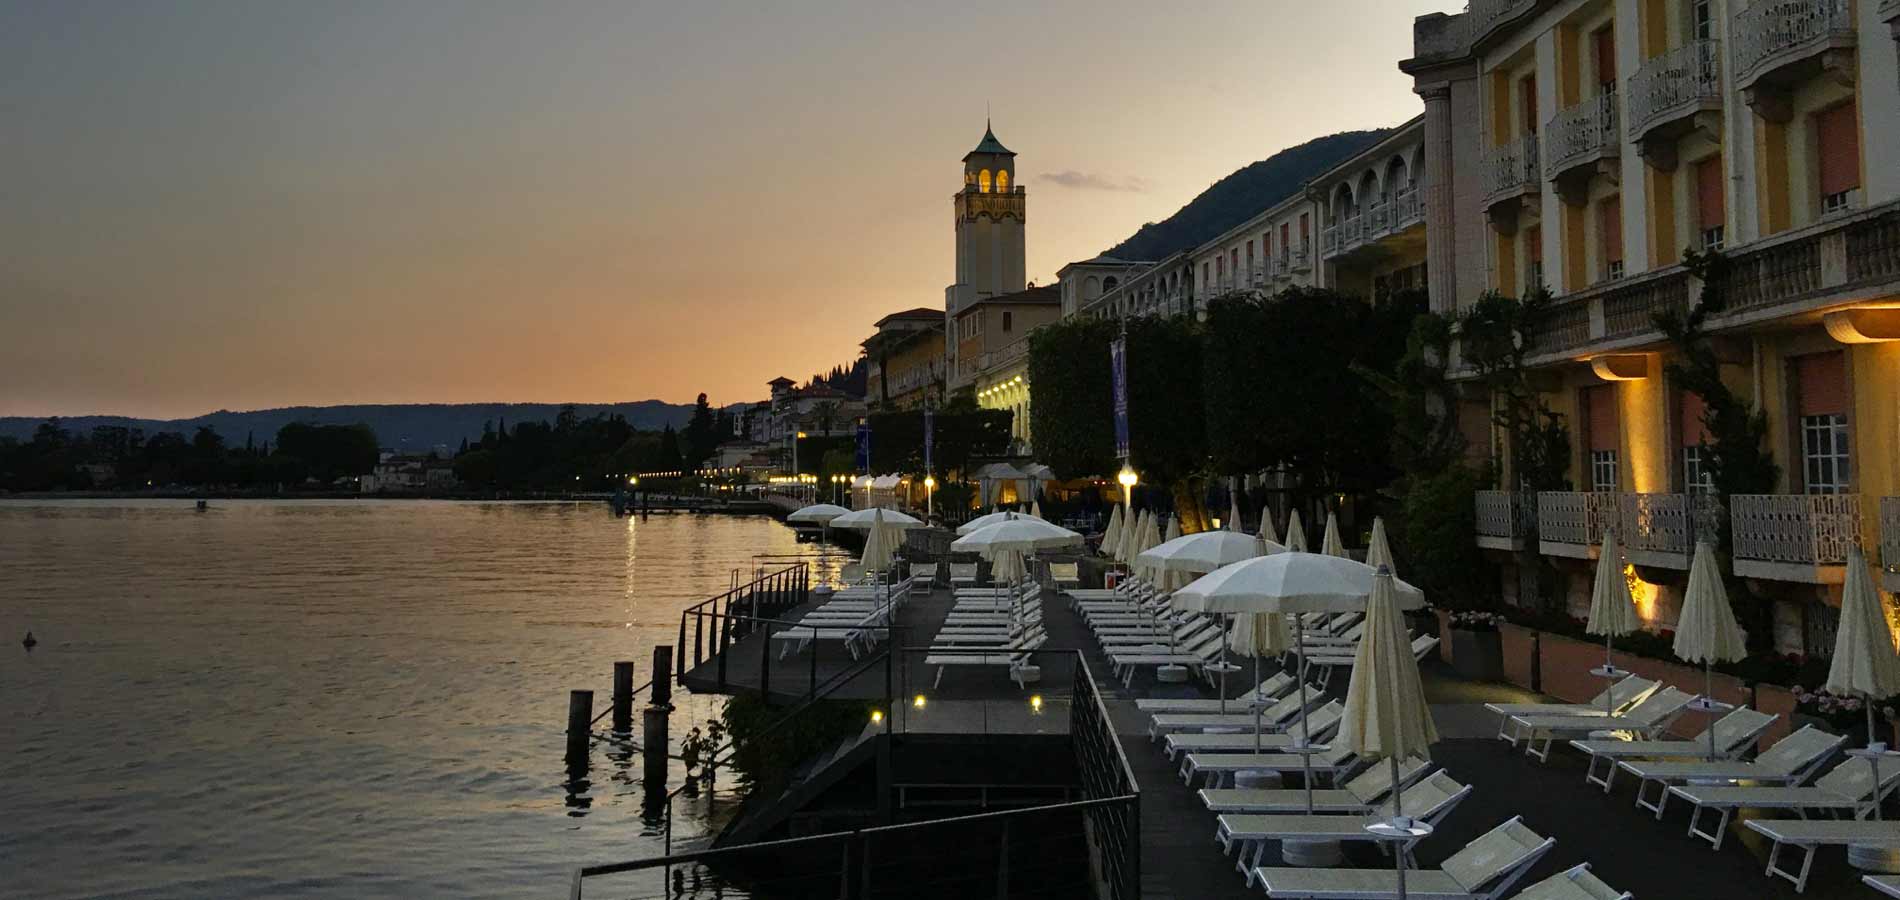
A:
{"x":1232,"y":200}
{"x":404,"y":426}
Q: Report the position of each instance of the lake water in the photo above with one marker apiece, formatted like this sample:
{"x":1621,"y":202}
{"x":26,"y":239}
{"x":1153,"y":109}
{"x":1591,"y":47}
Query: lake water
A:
{"x":349,"y":698}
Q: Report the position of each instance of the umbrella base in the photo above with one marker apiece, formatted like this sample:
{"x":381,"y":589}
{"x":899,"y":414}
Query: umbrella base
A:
{"x":1609,"y":672}
{"x":1709,"y":705}
{"x":1171,"y":674}
{"x":1257,"y":780}
{"x":1311,"y":854}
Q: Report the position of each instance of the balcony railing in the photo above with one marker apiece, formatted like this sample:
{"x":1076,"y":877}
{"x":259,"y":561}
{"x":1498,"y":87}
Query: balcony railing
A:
{"x":1890,"y":542}
{"x":1582,"y":133}
{"x":1505,"y":519}
{"x":1302,"y":259}
{"x":1511,"y":169}
{"x":1683,"y":80}
{"x":1771,"y":33}
{"x":1566,"y":327}
{"x":1662,"y":529}
{"x":1330,"y":238}
{"x":1569,"y":523}
{"x":1789,"y":537}
{"x":1630,"y":308}
{"x":1406,"y":211}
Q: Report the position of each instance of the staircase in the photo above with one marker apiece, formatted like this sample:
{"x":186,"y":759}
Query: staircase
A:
{"x":809,"y":781}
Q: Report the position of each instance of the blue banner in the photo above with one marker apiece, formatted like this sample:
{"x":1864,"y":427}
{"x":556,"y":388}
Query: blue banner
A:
{"x":930,"y":437}
{"x":864,"y":448}
{"x":1118,"y":366}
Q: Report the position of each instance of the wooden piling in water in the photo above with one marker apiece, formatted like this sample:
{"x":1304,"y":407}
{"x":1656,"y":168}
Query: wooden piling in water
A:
{"x":580,"y":718}
{"x":654,"y":739}
{"x":623,"y":697}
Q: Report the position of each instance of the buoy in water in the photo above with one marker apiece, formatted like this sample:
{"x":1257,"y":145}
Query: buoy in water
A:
{"x":29,"y":641}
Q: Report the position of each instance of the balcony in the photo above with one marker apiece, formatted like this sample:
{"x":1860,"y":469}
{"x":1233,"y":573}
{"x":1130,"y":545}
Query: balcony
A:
{"x":1780,"y":43}
{"x":1330,"y":240}
{"x":1571,"y":523}
{"x":1890,"y":537}
{"x":1505,"y":518}
{"x":1302,"y":260}
{"x":1511,"y":172}
{"x":1662,"y":529}
{"x":1794,"y":537}
{"x":1583,"y":140}
{"x":1406,"y":210}
{"x":1674,"y":94}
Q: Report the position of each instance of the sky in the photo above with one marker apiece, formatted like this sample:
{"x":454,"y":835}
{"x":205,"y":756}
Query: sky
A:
{"x":243,"y":205}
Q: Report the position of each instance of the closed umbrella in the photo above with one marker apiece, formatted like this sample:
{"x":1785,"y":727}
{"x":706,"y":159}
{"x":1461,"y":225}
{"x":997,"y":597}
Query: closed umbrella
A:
{"x":879,"y":548}
{"x":1295,"y":533}
{"x":1233,"y":511}
{"x":1330,"y":544}
{"x":1267,"y":537}
{"x":1386,"y":714}
{"x":1612,"y":610}
{"x":1864,"y":658}
{"x":1378,"y":551}
{"x":1035,"y":508}
{"x":1113,"y":532}
{"x":1706,"y":631}
{"x":1292,"y":583}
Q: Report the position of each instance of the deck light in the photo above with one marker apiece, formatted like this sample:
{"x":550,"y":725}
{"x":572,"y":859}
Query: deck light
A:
{"x":877,"y":717}
{"x":1035,"y":703}
{"x":918,"y":701}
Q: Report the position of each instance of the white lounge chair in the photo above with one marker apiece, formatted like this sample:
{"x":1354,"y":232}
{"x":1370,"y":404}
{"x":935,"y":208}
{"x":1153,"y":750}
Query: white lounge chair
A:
{"x":962,"y":575}
{"x":1328,"y":766}
{"x":1791,"y":760}
{"x":1323,"y":664}
{"x":1734,"y":734}
{"x":1644,"y":720}
{"x":1359,"y":795}
{"x":1428,"y":801}
{"x":1621,"y":695}
{"x":1065,"y":575}
{"x":1270,"y":690}
{"x":1807,"y":834}
{"x":1014,"y":658}
{"x":1485,"y":869}
{"x":1574,"y":883}
{"x":1848,"y":788}
{"x":1273,"y":718}
{"x":1321,"y":721}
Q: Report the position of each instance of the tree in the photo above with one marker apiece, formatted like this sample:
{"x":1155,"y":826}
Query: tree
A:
{"x":329,"y":452}
{"x":701,"y":435}
{"x":960,"y":432}
{"x":670,"y":458}
{"x":1167,"y":430}
{"x":1071,"y":422}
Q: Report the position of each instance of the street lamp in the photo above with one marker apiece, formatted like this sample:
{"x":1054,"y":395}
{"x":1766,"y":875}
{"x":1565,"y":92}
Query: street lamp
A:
{"x":1128,"y":481}
{"x":930,"y":497}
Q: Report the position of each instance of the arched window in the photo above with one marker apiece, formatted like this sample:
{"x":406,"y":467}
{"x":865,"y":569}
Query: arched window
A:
{"x":1109,"y":283}
{"x":1091,"y":288}
{"x":1342,"y":203}
{"x":983,"y":181}
{"x":1397,"y":180}
{"x":1369,"y":193}
{"x":1002,"y":181}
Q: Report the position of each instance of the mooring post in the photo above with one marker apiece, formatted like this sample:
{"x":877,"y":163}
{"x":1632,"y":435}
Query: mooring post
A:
{"x":653,"y":721}
{"x":662,"y":688}
{"x":623,"y":697}
{"x":580,"y":717}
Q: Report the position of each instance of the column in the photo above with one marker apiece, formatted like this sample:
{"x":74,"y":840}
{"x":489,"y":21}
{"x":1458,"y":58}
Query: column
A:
{"x":1441,"y":236}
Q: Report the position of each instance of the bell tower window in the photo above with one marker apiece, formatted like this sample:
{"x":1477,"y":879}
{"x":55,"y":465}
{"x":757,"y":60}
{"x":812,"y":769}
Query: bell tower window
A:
{"x":983,"y":181}
{"x":1002,"y":181}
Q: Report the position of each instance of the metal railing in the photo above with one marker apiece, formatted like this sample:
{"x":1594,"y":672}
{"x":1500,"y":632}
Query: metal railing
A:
{"x":724,"y":619}
{"x":1511,"y":168}
{"x":1630,"y":308}
{"x":1666,"y":523}
{"x":1565,"y":326}
{"x":1770,"y":31}
{"x":1581,"y":132}
{"x":1890,"y":533}
{"x":1575,"y":517}
{"x":1505,"y":514}
{"x":1799,"y":529}
{"x":1683,"y":79}
{"x":1405,"y":210}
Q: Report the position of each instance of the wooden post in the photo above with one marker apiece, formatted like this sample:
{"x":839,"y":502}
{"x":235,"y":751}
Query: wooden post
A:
{"x":623,"y":696}
{"x":580,"y":717}
{"x":653,"y":744}
{"x":662,"y":688}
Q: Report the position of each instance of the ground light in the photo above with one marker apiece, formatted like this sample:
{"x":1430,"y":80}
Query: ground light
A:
{"x":877,"y":717}
{"x":1035,"y":703}
{"x":918,"y":701}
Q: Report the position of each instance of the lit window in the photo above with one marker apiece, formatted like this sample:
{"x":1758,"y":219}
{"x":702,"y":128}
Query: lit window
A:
{"x":1002,"y":181}
{"x":1603,"y":470}
{"x":983,"y":181}
{"x":1824,"y":453}
{"x":1696,"y":477}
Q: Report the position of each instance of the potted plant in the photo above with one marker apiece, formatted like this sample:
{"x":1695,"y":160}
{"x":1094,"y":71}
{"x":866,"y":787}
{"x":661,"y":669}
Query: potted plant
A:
{"x":1843,"y":715}
{"x":1477,"y":650}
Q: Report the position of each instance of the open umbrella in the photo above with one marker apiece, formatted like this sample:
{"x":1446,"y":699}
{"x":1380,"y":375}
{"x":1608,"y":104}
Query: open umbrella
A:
{"x":1170,"y":579}
{"x":1378,"y":551}
{"x":818,"y":513}
{"x":1023,"y":533}
{"x":879,"y":548}
{"x":1864,"y":658}
{"x":1330,"y":544}
{"x":1293,"y":583}
{"x":1612,"y":610}
{"x":862,"y":519}
{"x":1200,"y":553}
{"x":1386,"y":714}
{"x":1706,"y":631}
{"x":986,"y":520}
{"x":1295,"y":533}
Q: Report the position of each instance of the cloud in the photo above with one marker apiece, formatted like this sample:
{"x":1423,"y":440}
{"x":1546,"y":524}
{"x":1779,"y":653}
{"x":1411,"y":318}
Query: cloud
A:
{"x":1090,"y":181}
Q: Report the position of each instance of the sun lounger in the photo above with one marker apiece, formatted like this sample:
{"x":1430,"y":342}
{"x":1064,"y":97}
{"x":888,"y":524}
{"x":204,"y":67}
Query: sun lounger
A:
{"x":1734,"y":733}
{"x":1327,"y":766}
{"x":1807,"y":834}
{"x":1202,"y":653}
{"x":1428,"y":801}
{"x":1885,"y":884}
{"x":1621,"y":696}
{"x":1013,"y":658}
{"x":1065,"y":574}
{"x":1325,"y":663}
{"x":1239,"y":716}
{"x":962,"y":574}
{"x":1644,"y":720}
{"x":1848,"y":788}
{"x":1359,"y":795}
{"x":1574,"y":883}
{"x":1487,"y":868}
{"x":1791,"y":760}
{"x":1321,"y":720}
{"x":1272,"y":689}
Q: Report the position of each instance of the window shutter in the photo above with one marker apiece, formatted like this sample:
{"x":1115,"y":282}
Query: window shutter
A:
{"x":1534,"y":237}
{"x":1285,"y":228}
{"x":1691,"y":410}
{"x":1304,"y":233}
{"x":1709,"y":193}
{"x":1820,"y":384}
{"x":1840,"y":149}
{"x":1527,"y":100}
{"x":1606,"y":55}
{"x":1599,"y":402}
{"x":1610,"y":223}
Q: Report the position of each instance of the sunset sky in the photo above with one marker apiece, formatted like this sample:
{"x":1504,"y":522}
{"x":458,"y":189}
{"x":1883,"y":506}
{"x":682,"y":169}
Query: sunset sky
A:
{"x":241,"y":205}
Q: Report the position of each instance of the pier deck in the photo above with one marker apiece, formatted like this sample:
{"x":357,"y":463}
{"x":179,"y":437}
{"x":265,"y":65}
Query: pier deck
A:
{"x":1179,"y":856}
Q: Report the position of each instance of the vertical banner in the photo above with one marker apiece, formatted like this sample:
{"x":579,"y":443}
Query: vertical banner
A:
{"x":1118,"y":366}
{"x":930,"y":437}
{"x":864,"y":448}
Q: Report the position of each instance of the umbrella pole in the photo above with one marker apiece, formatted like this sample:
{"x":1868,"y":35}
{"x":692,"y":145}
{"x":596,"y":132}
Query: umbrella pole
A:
{"x":1306,"y":725}
{"x":1708,"y":694}
{"x":1398,"y":818}
{"x":1608,"y":708}
{"x":1223,"y":665}
{"x":1873,"y":754}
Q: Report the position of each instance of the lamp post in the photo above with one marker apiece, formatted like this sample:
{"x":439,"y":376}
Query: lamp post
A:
{"x":1128,"y":481}
{"x":930,"y":498}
